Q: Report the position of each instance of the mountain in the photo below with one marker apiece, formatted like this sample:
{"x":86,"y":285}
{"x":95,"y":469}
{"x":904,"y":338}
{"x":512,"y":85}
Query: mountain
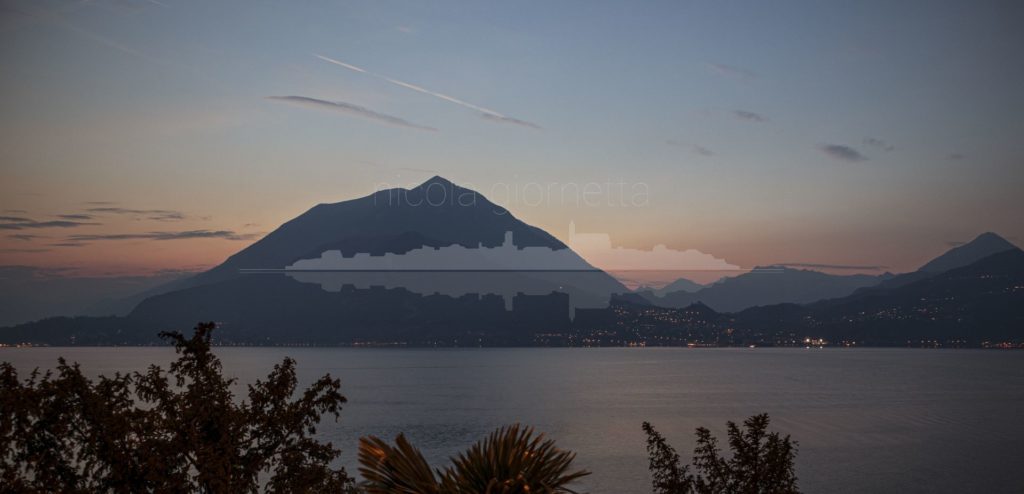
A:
{"x":982,"y":301}
{"x":680,"y":285}
{"x":982,"y":246}
{"x":766,"y":286}
{"x":436,"y":213}
{"x":335,"y":307}
{"x":255,"y":300}
{"x":32,"y":293}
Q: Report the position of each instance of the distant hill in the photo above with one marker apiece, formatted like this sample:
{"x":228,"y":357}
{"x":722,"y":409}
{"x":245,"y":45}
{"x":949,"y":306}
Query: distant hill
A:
{"x":680,"y":285}
{"x":981,"y":301}
{"x":766,"y":286}
{"x":982,"y":246}
{"x":777,"y":285}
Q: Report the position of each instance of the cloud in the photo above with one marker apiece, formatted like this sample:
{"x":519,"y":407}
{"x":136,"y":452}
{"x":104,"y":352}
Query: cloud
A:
{"x":841,"y":152}
{"x":954,"y":156}
{"x":29,"y":224}
{"x":16,"y":211}
{"x":69,"y":244}
{"x":750,"y":116}
{"x":695,"y":148}
{"x":350,"y":109}
{"x":701,"y":150}
{"x":149,"y":214}
{"x":878,"y":143}
{"x":852,"y":267}
{"x":189,"y":234}
{"x":487,"y":114}
{"x":14,"y":219}
{"x":75,"y":216}
{"x":23,"y":251}
{"x":25,"y":237}
{"x":731,"y":71}
{"x":100,"y":203}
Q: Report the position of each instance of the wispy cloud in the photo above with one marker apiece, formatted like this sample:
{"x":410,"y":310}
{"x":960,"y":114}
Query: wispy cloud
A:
{"x":183,"y":235}
{"x":24,"y":237}
{"x":694,"y":148}
{"x":851,"y":267}
{"x":149,"y":214}
{"x":701,"y":150}
{"x":954,"y":156}
{"x":749,"y":116}
{"x":845,"y":153}
{"x":15,"y":219}
{"x":75,"y":216}
{"x":878,"y":143}
{"x":731,"y":71}
{"x":30,"y":224}
{"x":349,"y":108}
{"x":69,"y":244}
{"x":486,"y":113}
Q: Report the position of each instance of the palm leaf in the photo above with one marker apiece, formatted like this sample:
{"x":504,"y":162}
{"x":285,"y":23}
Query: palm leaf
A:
{"x":511,"y":460}
{"x":400,"y":469}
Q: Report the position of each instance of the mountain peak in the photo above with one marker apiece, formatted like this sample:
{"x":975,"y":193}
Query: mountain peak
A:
{"x":989,"y":237}
{"x":982,"y":246}
{"x":436,"y":180}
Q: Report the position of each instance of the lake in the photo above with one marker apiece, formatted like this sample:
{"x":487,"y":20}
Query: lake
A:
{"x":867,"y":420}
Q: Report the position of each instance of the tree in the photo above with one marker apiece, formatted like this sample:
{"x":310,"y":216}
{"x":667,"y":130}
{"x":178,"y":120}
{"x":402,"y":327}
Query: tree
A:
{"x":61,"y":432}
{"x":512,"y":460}
{"x":761,"y":462}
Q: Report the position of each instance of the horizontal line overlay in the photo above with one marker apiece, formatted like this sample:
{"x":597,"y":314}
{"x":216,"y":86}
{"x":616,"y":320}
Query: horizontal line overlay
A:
{"x":421,"y":270}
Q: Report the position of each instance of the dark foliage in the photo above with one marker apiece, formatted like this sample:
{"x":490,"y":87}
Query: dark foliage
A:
{"x":512,"y":460}
{"x":761,"y":462}
{"x":179,"y":430}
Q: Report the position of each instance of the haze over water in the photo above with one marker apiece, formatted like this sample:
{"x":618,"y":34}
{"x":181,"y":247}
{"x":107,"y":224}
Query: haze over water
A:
{"x":867,"y":420}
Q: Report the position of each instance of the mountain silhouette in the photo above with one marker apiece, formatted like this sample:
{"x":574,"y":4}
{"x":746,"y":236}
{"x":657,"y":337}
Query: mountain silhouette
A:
{"x":982,"y":301}
{"x":766,"y":286}
{"x":437,"y":213}
{"x":679,"y":285}
{"x":982,"y":246}
{"x":335,"y":307}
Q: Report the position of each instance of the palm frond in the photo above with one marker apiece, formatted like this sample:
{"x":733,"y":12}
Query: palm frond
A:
{"x":400,"y":469}
{"x":512,"y":460}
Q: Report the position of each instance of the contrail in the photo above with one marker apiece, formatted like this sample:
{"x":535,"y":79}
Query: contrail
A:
{"x":487,"y":113}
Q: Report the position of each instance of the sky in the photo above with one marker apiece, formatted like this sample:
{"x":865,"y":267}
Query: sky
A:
{"x":151,"y":136}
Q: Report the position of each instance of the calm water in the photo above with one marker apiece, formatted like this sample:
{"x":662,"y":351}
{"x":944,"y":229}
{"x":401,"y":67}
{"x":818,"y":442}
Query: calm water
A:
{"x":885,"y":420}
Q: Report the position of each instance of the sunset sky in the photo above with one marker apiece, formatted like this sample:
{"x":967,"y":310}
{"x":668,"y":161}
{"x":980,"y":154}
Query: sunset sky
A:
{"x":143,"y":136}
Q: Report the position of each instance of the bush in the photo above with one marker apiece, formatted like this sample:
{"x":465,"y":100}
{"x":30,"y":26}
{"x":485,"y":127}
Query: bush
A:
{"x":761,"y":462}
{"x":61,"y":432}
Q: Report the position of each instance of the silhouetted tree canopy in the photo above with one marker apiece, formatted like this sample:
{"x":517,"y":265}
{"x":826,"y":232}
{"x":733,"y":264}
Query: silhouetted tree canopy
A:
{"x":179,"y":430}
{"x":761,"y":462}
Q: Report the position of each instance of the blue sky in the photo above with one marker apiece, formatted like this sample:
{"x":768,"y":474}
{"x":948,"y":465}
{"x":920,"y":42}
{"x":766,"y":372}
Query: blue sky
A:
{"x":859,"y":133}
